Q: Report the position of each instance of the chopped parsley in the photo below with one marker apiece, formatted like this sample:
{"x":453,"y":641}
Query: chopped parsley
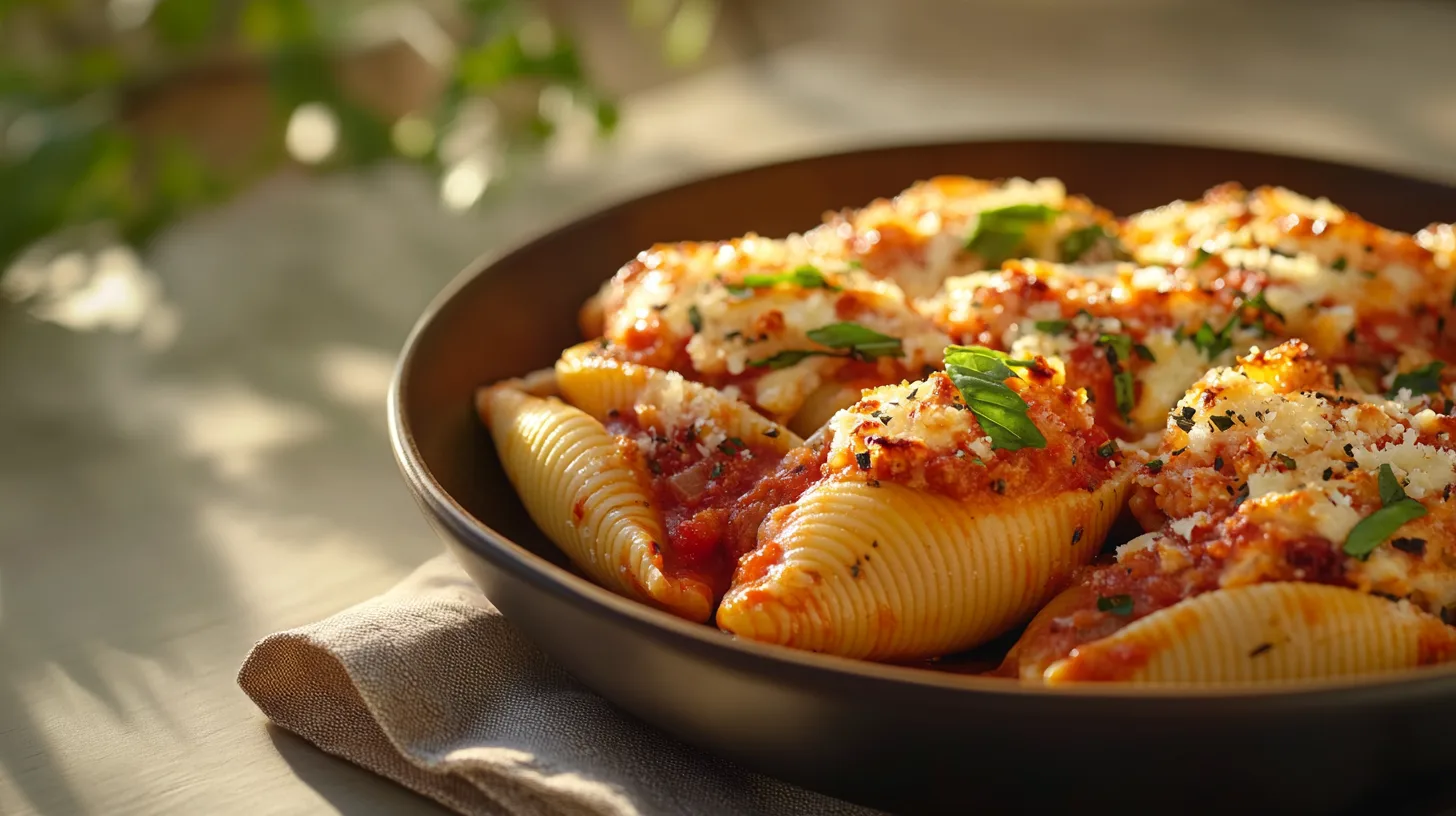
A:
{"x":717,"y":470}
{"x":1422,"y":380}
{"x":1340,"y":264}
{"x":863,"y":460}
{"x":1052,"y":326}
{"x":1000,"y":232}
{"x":980,"y":375}
{"x":1213,"y":342}
{"x":1144,"y":352}
{"x":1258,"y":302}
{"x":1155,"y":465}
{"x":695,"y":318}
{"x":1115,"y":604}
{"x":1396,"y":509}
{"x":1119,"y":349}
{"x":1222,"y":423}
{"x":1079,"y":242}
{"x":1107,"y":449}
{"x":1287,"y":461}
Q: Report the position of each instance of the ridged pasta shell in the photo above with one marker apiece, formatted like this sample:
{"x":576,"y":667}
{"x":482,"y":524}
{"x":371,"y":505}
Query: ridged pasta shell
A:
{"x":823,"y":403}
{"x":892,"y":573}
{"x":600,"y":385}
{"x":587,"y":498}
{"x":1263,"y":633}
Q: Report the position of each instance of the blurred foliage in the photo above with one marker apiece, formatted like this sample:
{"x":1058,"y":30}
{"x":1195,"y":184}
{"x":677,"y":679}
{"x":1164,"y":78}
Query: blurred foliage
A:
{"x":72,"y":73}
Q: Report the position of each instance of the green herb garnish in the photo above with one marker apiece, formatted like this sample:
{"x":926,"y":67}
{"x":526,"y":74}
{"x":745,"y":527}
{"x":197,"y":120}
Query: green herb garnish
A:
{"x":1199,"y":258}
{"x":856,"y":341}
{"x":1340,"y":264}
{"x":1258,"y":302}
{"x":1396,"y":509}
{"x":1119,"y":349}
{"x":980,"y":374}
{"x":1115,"y":604}
{"x":1422,"y":380}
{"x":1286,"y":460}
{"x":1052,"y":326}
{"x":1213,"y":342}
{"x":1223,"y":423}
{"x":1078,"y":242}
{"x":806,"y":276}
{"x":999,"y":233}
{"x":695,"y":318}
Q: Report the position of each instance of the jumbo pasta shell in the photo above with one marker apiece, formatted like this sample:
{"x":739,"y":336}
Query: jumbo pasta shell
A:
{"x":1263,"y":633}
{"x":892,"y":573}
{"x":822,"y":404}
{"x":586,"y":496}
{"x":604,"y":387}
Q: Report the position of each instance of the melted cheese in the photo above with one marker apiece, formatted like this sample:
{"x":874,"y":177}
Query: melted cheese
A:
{"x":917,"y":413}
{"x":1308,"y":458}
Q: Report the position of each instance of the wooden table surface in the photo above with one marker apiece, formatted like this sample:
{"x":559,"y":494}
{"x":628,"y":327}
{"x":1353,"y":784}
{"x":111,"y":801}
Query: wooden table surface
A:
{"x":192,"y":446}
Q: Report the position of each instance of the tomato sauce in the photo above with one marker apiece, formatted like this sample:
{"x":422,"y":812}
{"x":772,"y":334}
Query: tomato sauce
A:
{"x":698,"y":492}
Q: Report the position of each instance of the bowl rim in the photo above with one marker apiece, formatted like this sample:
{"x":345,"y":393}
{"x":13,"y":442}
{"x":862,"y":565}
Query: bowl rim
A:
{"x":1409,"y":685}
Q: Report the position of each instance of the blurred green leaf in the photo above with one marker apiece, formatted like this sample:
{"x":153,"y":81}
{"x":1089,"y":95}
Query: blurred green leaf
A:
{"x":76,"y":160}
{"x":271,"y":23}
{"x":486,"y":66}
{"x":607,"y":115}
{"x":184,"y":23}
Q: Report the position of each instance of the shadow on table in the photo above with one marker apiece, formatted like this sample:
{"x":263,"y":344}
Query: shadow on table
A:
{"x":348,"y":787}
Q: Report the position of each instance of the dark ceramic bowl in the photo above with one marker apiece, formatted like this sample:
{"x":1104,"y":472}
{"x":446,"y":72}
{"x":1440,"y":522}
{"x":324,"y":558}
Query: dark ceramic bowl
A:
{"x":905,"y":739}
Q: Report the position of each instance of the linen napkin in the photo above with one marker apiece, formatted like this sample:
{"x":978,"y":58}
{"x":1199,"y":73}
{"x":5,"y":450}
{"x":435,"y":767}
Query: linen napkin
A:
{"x":429,"y":686}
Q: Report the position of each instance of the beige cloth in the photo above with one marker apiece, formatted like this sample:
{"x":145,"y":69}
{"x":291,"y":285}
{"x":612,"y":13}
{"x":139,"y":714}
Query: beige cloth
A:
{"x":429,"y":686}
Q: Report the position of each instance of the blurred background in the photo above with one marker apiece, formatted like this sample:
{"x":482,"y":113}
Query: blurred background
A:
{"x":219,"y":219}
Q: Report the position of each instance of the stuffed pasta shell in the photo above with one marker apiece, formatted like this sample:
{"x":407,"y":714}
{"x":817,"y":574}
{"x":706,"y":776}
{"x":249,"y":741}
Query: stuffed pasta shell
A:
{"x":633,"y":472}
{"x":1133,"y":337}
{"x":806,"y":322}
{"x":954,"y":225}
{"x":941,"y":512}
{"x":1298,"y":531}
{"x":1358,"y":294}
{"x":765,"y":321}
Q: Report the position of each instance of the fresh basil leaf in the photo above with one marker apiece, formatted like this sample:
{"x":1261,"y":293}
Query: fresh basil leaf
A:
{"x":1378,"y":526}
{"x":1423,"y":380}
{"x":806,"y":276}
{"x":1079,"y":242}
{"x":784,"y":359}
{"x":1052,"y":326}
{"x":861,"y":341}
{"x":1390,"y":489}
{"x":999,"y":232}
{"x":980,"y":375}
{"x":992,"y":363}
{"x":1397,"y":509}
